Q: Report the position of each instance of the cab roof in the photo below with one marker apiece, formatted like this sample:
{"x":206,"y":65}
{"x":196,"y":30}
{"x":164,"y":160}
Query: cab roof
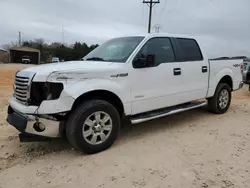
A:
{"x":165,"y":35}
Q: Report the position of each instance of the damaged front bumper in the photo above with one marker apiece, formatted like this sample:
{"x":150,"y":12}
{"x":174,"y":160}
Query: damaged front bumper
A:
{"x":33,"y":125}
{"x":34,"y":121}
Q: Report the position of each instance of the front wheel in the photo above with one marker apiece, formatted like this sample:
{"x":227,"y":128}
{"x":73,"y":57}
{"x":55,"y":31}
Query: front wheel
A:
{"x":93,"y":126}
{"x":221,"y":100}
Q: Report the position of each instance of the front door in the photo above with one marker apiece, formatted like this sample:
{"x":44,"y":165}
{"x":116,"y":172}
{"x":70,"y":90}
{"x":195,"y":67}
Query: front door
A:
{"x":157,"y":86}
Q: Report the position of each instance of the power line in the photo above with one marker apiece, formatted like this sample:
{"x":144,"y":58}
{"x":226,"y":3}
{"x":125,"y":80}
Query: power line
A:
{"x":151,"y":4}
{"x":143,"y":15}
{"x":163,"y":9}
{"x":158,"y":27}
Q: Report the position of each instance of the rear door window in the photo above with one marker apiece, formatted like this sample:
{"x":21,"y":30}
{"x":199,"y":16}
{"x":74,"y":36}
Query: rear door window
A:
{"x":189,"y":50}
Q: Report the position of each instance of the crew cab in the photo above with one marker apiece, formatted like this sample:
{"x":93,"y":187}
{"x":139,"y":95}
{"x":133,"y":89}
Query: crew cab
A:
{"x":138,"y":77}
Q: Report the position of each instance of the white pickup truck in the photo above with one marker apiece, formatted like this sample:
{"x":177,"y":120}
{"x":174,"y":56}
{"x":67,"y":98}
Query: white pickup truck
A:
{"x":26,"y":59}
{"x":139,"y":77}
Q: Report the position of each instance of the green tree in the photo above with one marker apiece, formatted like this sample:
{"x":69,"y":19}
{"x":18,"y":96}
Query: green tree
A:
{"x":69,"y":52}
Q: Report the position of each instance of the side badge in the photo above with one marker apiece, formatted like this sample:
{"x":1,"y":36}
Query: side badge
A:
{"x":119,"y":75}
{"x":236,"y":65}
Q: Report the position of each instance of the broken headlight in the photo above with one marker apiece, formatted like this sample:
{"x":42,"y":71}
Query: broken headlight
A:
{"x":41,"y":91}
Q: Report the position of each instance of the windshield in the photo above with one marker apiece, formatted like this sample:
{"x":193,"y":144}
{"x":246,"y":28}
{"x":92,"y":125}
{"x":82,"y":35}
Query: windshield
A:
{"x":116,"y":50}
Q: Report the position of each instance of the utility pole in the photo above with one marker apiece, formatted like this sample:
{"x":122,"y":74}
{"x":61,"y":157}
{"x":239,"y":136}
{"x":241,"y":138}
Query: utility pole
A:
{"x":19,"y":38}
{"x":62,"y":34}
{"x":151,"y":4}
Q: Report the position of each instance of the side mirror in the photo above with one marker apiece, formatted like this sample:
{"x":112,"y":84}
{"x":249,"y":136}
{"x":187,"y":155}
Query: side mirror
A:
{"x":142,"y":62}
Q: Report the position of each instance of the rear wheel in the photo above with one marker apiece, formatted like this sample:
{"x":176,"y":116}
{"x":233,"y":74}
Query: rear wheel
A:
{"x":221,"y":100}
{"x":93,"y":126}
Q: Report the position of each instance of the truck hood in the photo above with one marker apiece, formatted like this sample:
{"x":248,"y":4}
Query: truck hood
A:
{"x":68,"y":66}
{"x":43,"y":71}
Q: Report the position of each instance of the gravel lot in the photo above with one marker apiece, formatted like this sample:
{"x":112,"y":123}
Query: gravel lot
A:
{"x":194,"y":149}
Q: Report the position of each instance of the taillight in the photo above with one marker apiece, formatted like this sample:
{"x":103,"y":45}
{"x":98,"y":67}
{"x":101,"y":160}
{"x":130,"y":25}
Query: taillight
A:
{"x":241,"y":68}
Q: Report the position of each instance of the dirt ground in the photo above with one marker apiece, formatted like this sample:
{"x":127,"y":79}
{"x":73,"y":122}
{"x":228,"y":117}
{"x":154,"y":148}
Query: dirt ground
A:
{"x":194,"y":149}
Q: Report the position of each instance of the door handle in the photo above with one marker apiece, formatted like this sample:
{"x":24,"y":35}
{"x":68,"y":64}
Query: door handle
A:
{"x":177,"y":71}
{"x":204,"y":69}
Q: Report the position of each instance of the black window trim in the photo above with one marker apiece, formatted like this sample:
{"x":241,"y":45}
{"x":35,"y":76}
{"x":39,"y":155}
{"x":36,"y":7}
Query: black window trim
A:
{"x":180,"y":51}
{"x":171,"y":43}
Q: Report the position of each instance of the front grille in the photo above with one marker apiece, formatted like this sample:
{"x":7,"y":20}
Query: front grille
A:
{"x":22,"y":86}
{"x":21,"y":89}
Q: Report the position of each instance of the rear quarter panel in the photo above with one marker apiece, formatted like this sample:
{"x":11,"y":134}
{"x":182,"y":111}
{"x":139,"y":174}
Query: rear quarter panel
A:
{"x":221,"y":68}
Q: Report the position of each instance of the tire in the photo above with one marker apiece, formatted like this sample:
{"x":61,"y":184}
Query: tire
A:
{"x":217,"y":104}
{"x":83,"y":122}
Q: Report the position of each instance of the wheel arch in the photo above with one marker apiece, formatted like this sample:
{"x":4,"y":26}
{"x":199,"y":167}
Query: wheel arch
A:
{"x":224,"y":76}
{"x":226,"y":80}
{"x":101,"y":94}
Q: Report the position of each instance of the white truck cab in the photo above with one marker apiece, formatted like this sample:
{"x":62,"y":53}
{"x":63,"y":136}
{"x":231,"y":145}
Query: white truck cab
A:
{"x":140,"y":77}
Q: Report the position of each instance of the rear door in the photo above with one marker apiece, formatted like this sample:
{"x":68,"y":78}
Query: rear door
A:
{"x":194,"y":69}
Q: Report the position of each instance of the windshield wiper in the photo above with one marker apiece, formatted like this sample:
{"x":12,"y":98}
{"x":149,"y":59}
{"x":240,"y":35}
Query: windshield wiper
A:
{"x":95,"y":59}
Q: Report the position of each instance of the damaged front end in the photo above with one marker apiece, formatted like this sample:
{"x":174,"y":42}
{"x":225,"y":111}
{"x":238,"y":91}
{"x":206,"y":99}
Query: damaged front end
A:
{"x":35,"y":127}
{"x":41,"y":91}
{"x":37,"y":109}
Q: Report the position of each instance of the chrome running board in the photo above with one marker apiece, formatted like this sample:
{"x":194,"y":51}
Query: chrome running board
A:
{"x":166,"y":112}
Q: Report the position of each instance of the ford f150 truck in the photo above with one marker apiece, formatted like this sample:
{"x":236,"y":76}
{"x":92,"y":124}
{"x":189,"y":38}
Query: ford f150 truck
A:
{"x":138,"y":77}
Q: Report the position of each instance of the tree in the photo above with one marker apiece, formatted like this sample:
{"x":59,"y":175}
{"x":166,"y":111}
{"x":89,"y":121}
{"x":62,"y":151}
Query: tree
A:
{"x":74,"y":51}
{"x":27,"y":43}
{"x":7,"y":47}
{"x":39,"y":42}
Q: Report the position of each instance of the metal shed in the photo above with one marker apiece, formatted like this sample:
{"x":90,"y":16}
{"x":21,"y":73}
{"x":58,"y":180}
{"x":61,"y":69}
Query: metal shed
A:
{"x":18,"y":53}
{"x":4,"y":56}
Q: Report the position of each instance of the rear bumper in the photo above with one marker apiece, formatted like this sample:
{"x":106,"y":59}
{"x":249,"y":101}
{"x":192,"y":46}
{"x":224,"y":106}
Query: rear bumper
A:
{"x":25,"y":124}
{"x":241,"y":84}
